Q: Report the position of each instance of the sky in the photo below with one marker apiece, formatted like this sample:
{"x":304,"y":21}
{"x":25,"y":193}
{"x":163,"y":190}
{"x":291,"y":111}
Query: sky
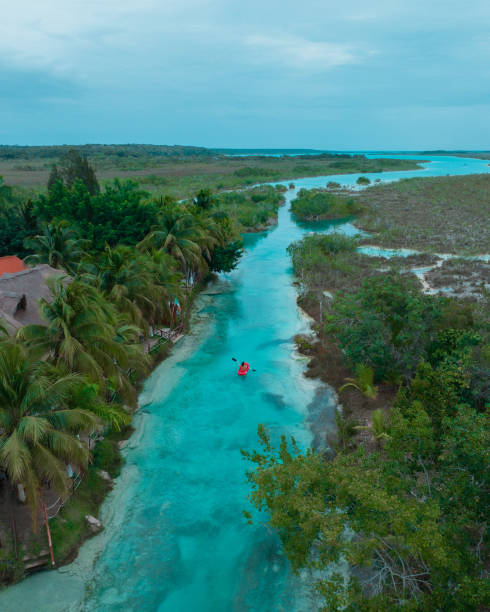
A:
{"x":345,"y":75}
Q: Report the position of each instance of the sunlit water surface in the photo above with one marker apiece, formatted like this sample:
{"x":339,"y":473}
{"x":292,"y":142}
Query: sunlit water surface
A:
{"x":175,"y":539}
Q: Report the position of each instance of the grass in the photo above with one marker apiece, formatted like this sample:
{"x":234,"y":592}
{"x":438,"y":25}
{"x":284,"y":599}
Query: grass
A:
{"x":440,"y":214}
{"x":182,"y":171}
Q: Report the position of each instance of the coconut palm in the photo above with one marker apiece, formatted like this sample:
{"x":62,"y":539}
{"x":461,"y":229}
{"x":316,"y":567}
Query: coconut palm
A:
{"x":141,"y":285}
{"x":167,"y":276}
{"x":379,"y":426}
{"x":136,"y":363}
{"x":58,"y":246}
{"x":178,"y":234}
{"x":127,"y":280}
{"x":364,"y":381}
{"x":111,"y":413}
{"x":212,"y":234}
{"x":37,"y":425}
{"x":80,"y":332}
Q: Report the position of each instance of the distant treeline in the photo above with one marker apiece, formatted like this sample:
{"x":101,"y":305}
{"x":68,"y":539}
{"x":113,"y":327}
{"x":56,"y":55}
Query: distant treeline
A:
{"x":97,"y":150}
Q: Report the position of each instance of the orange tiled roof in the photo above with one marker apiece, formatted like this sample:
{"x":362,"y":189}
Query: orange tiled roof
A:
{"x":11,"y":264}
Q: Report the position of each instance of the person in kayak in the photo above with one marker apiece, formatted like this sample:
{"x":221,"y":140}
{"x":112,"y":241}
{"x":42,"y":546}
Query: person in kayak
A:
{"x":243,"y":369}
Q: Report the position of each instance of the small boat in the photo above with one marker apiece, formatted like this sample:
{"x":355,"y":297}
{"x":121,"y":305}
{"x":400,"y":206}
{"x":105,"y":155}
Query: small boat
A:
{"x":243,"y":369}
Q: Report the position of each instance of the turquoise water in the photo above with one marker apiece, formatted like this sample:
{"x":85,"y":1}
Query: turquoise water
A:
{"x":175,"y":539}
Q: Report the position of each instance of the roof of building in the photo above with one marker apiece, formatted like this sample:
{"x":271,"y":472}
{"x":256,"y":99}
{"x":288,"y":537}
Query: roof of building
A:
{"x":11,"y":264}
{"x":20,"y":294}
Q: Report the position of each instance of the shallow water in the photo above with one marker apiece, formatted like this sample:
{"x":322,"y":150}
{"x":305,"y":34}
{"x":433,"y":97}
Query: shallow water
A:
{"x":175,"y":538}
{"x":435,"y":165}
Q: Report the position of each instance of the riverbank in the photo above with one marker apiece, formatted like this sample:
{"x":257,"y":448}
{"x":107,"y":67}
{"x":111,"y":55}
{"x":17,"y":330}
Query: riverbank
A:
{"x":69,"y":526}
{"x":326,"y":362}
{"x":411,"y":370}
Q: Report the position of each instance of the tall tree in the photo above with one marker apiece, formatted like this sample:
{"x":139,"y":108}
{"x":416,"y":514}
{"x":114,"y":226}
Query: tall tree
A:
{"x":74,"y":167}
{"x":178,"y":234}
{"x":5,"y":193}
{"x":58,"y":246}
{"x":81,"y":335}
{"x":204,"y":199}
{"x":127,"y":279}
{"x":386,"y":325}
{"x":37,"y":424}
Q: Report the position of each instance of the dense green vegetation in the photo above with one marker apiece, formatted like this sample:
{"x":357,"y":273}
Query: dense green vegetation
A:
{"x":385,"y":324}
{"x":328,"y":262}
{"x":253,"y":209}
{"x":97,"y":152}
{"x":182,"y":171}
{"x":407,"y":510}
{"x":318,"y":204}
{"x":406,"y":506}
{"x":17,"y":221}
{"x":120,"y":214}
{"x":441,"y":214}
{"x":129,"y":260}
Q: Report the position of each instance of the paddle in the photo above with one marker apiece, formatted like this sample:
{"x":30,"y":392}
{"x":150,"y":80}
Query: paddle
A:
{"x":233,"y":359}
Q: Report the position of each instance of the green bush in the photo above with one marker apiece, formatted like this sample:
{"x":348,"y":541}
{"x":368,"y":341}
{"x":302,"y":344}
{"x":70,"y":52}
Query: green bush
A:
{"x":107,"y":456}
{"x":317,"y":204}
{"x":252,"y":208}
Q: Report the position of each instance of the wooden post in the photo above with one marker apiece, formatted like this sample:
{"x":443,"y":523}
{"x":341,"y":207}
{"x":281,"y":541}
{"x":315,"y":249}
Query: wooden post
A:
{"x":50,"y":543}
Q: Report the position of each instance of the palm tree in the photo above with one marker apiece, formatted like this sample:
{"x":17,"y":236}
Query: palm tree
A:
{"x":127,"y":280}
{"x":379,"y":426}
{"x":141,"y":285}
{"x":212,"y":234}
{"x":364,"y":381}
{"x":57,"y":246}
{"x":80,"y":333}
{"x":37,"y":425}
{"x":112,"y":414}
{"x":178,"y":234}
{"x":204,"y":199}
{"x":169,"y":280}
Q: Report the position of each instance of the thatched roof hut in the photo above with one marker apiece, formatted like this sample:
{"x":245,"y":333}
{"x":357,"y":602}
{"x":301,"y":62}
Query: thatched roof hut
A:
{"x":20,"y":293}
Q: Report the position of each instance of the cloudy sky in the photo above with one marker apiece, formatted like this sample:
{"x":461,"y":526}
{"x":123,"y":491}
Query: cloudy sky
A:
{"x":355,"y":74}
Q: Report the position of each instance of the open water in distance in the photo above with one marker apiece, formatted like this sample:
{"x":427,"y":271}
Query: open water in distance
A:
{"x":175,"y":539}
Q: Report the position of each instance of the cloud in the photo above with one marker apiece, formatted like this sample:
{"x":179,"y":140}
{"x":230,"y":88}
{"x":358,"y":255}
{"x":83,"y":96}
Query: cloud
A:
{"x":233,"y":72}
{"x":300,"y":53}
{"x":56,"y":35}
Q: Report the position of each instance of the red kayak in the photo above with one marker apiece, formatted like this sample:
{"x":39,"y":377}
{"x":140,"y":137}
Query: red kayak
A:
{"x":243,"y":369}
